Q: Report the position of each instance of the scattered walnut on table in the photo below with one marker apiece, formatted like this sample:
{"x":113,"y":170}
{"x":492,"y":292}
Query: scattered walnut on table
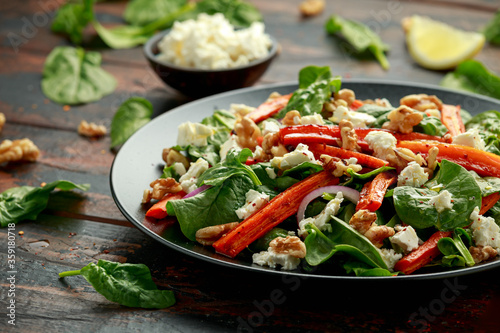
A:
{"x":402,"y":120}
{"x":209,"y":235}
{"x":23,"y":150}
{"x":311,"y":7}
{"x":2,"y":121}
{"x":91,"y":129}
{"x":291,"y":245}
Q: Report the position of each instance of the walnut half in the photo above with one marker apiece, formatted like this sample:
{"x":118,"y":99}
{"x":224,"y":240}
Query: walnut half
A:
{"x":291,"y":245}
{"x":209,"y":235}
{"x":2,"y":121}
{"x":18,"y":151}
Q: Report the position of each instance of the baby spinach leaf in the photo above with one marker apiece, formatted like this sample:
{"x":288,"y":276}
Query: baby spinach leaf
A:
{"x":262,"y":244}
{"x":73,"y":76}
{"x":471,"y":75}
{"x":26,"y":202}
{"x":220,"y":118}
{"x":213,"y":206}
{"x":488,"y":124}
{"x":361,"y":269}
{"x":143,"y":12}
{"x":316,"y":86}
{"x":127,"y":284}
{"x":134,"y":113}
{"x":239,"y":13}
{"x":455,"y":250}
{"x":321,"y":246}
{"x":412,"y":205}
{"x":234,"y":164}
{"x":492,"y":30}
{"x":71,"y":19}
{"x":431,"y":126}
{"x":360,"y":36}
{"x":488,"y":185}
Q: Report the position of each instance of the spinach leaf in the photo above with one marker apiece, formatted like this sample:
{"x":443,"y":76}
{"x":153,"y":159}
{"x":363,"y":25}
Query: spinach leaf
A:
{"x":262,"y":244}
{"x":127,"y":284}
{"x":213,"y":206}
{"x":26,"y":202}
{"x":209,"y":153}
{"x":220,"y":119}
{"x":71,"y":19}
{"x":488,"y":185}
{"x":239,"y":13}
{"x":73,"y":76}
{"x":134,"y":113}
{"x":360,"y":36}
{"x":455,"y":251}
{"x":488,"y":124}
{"x":361,"y":269}
{"x":321,"y":246}
{"x":143,"y":12}
{"x":296,"y":174}
{"x":316,"y":86}
{"x":492,"y":30}
{"x":471,"y":75}
{"x":412,"y":205}
{"x":431,"y":126}
{"x":234,"y":164}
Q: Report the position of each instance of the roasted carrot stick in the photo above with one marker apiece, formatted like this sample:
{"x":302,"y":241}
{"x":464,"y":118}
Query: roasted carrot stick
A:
{"x":488,"y":202}
{"x":276,"y":211}
{"x":159,"y":209}
{"x":369,"y":161}
{"x":267,"y":109}
{"x":451,"y":118}
{"x":373,"y":192}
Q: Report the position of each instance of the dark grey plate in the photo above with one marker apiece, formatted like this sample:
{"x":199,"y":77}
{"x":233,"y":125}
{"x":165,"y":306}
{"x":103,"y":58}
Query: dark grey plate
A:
{"x":139,"y":162}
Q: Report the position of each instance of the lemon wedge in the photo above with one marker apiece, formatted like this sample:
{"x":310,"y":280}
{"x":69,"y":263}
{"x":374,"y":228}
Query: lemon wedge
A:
{"x":436,"y":45}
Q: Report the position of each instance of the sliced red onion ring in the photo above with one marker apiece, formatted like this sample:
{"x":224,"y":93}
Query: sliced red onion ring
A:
{"x":348,"y":193}
{"x":195,"y":192}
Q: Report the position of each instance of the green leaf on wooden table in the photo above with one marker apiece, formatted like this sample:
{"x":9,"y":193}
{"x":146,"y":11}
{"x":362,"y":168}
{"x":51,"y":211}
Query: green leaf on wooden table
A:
{"x":71,"y":19}
{"x":127,"y":284}
{"x":73,"y":76}
{"x":471,"y":75}
{"x":143,"y":12}
{"x":239,"y":13}
{"x":360,"y":36}
{"x":134,"y":113}
{"x":492,"y":30}
{"x":26,"y":202}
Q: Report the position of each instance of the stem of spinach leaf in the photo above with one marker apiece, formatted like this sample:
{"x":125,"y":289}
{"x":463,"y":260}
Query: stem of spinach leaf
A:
{"x":69,"y":273}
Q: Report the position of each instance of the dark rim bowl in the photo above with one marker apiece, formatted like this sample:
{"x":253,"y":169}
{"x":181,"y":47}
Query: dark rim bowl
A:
{"x":196,"y":83}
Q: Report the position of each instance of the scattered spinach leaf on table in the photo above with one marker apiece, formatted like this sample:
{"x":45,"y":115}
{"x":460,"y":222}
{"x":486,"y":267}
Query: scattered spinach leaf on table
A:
{"x":127,"y":284}
{"x":360,"y":36}
{"x":492,"y":30}
{"x":73,"y":76}
{"x":71,"y":19}
{"x":26,"y":202}
{"x":134,"y":113}
{"x":143,"y":12}
{"x":473,"y":76}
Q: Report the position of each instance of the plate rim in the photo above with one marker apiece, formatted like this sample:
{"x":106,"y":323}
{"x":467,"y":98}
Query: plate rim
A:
{"x":275,"y":272}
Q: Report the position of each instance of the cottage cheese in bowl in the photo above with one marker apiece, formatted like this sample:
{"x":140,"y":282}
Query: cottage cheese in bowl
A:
{"x":211,"y":42}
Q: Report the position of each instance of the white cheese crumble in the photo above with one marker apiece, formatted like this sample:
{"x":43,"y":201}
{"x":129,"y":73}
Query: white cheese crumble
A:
{"x":269,"y":126}
{"x":179,"y":168}
{"x":273,"y":259}
{"x":315,"y":119}
{"x":442,"y":201}
{"x":189,"y":179}
{"x":390,"y":257}
{"x":231,"y":143}
{"x":358,"y":119}
{"x":470,"y":138}
{"x":253,"y":202}
{"x":413,"y":175}
{"x":240,"y":109}
{"x":195,"y":134}
{"x":320,"y":220}
{"x":406,"y":238}
{"x":484,"y":230}
{"x":289,"y":160}
{"x":382,"y":143}
{"x":211,"y":42}
{"x":271,"y":173}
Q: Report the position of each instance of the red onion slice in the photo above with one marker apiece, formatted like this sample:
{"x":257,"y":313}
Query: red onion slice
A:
{"x":195,"y":192}
{"x":348,"y":193}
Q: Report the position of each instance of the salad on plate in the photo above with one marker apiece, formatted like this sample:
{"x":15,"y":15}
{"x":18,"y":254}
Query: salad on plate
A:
{"x":318,"y":179}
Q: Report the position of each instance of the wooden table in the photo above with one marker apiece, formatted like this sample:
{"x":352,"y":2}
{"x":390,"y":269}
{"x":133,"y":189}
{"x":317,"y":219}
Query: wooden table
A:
{"x":78,"y":228}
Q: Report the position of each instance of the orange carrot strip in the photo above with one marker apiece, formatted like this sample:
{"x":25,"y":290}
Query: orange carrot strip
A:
{"x":451,"y":118}
{"x":423,"y":255}
{"x":276,"y":211}
{"x":267,"y":109}
{"x":369,"y":161}
{"x":488,"y":202}
{"x":371,"y":198}
{"x":159,"y":209}
{"x":356,"y":104}
{"x":482,"y":162}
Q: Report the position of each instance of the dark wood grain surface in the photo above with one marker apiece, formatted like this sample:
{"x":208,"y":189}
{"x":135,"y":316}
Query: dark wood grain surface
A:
{"x":78,"y":228}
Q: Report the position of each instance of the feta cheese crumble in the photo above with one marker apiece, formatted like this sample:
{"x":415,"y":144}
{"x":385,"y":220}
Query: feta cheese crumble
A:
{"x":315,"y":119}
{"x":211,"y":42}
{"x":471,"y":138}
{"x":484,"y":230}
{"x":382,"y":143}
{"x":300,"y":155}
{"x":231,"y":143}
{"x":442,"y":201}
{"x":189,"y":179}
{"x":405,"y":238}
{"x":358,"y":119}
{"x":195,"y":134}
{"x":390,"y":257}
{"x":413,"y":175}
{"x":273,"y":259}
{"x":320,"y":220}
{"x":269,"y":126}
{"x":254,"y":201}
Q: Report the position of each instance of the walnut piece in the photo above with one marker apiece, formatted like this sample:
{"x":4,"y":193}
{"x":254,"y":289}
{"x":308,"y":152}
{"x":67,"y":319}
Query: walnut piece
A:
{"x":91,"y":129}
{"x":209,"y":235}
{"x":348,"y":135}
{"x":161,"y":186}
{"x":311,"y":7}
{"x":339,"y":167}
{"x":346,"y":95}
{"x":2,"y":121}
{"x":364,"y":222}
{"x":23,"y":150}
{"x":422,"y":102}
{"x":247,"y":132}
{"x":403,"y":119}
{"x":291,"y":245}
{"x":291,"y":118}
{"x":482,"y":253}
{"x":171,"y":156}
{"x":272,"y":145}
